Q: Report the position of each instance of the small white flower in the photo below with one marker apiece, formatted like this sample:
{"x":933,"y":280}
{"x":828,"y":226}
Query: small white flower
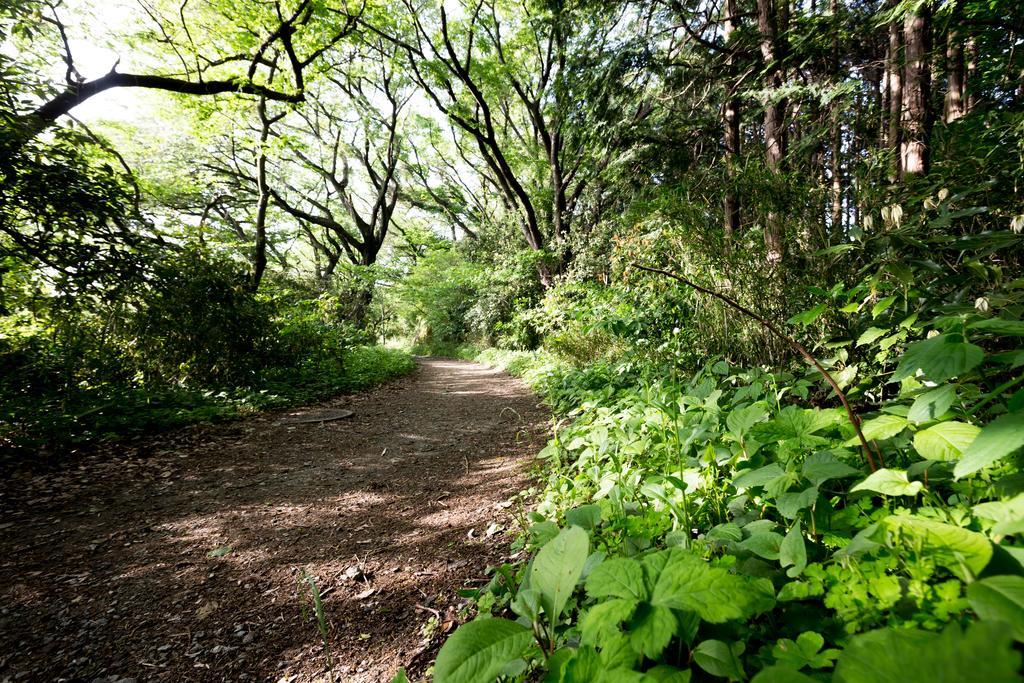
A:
{"x":930,"y":203}
{"x":933,"y":333}
{"x":981,"y":303}
{"x":1017,"y":223}
{"x":943,"y":193}
{"x":868,"y":221}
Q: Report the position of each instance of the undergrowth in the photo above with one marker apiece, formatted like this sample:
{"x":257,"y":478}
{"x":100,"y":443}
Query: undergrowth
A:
{"x":67,"y":417}
{"x":727,"y":525}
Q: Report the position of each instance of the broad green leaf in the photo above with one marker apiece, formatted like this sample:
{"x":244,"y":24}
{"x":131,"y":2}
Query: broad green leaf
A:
{"x":1006,"y":328}
{"x":619,"y":577}
{"x":400,"y":677}
{"x":664,"y":673}
{"x":759,"y":477}
{"x":820,"y":467}
{"x":586,"y":516}
{"x":720,"y":659}
{"x":1007,"y":515}
{"x":781,"y":674}
{"x":931,"y":405}
{"x":725,"y":533}
{"x":557,"y":568}
{"x":945,"y":441}
{"x":1002,"y":437}
{"x":804,"y":651}
{"x":604,"y":618}
{"x":862,"y":543}
{"x":809,"y":316}
{"x":790,"y":504}
{"x":740,"y":421}
{"x":882,"y":306}
{"x":881,"y":427}
{"x":939,"y":358}
{"x":765,"y":544}
{"x":983,"y":653}
{"x":687,"y":582}
{"x":799,"y":424}
{"x":651,"y":628}
{"x":1001,"y":599}
{"x":890,"y":483}
{"x":793,"y":552}
{"x":965,"y":553}
{"x":870,"y":335}
{"x":479,"y":650}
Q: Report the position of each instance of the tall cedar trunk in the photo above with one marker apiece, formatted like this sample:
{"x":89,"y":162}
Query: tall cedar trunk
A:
{"x":837,"y":133}
{"x":971,"y":84}
{"x":259,"y":248}
{"x":955,"y":102}
{"x":771,"y":23}
{"x":895,"y":69}
{"x":731,"y":115}
{"x":917,"y":92}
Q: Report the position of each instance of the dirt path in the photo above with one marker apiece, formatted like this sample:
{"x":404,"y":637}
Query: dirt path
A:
{"x":118,"y":568}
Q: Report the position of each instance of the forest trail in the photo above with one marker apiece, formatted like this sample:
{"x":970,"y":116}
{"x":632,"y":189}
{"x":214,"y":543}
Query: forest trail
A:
{"x":118,"y":567}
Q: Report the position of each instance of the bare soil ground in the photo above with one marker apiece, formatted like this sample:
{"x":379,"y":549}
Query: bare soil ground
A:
{"x":178,"y":557}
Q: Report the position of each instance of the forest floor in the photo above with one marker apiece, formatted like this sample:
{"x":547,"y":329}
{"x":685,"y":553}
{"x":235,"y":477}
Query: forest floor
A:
{"x":179,"y":557}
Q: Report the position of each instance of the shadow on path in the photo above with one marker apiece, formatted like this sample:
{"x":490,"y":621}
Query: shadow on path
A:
{"x":179,"y":558}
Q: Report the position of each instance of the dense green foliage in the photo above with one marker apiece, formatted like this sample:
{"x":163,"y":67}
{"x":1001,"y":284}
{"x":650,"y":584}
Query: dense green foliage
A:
{"x":762,"y":258}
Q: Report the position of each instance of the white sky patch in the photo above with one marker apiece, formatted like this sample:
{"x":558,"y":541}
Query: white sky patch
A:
{"x":94,"y":28}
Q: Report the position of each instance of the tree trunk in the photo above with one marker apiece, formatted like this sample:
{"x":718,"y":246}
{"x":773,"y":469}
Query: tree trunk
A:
{"x":773,"y":51}
{"x":955,"y":103}
{"x":836,"y":166}
{"x":895,"y":70}
{"x":971,"y":84}
{"x":259,"y":249}
{"x":731,"y":116}
{"x":917,"y":92}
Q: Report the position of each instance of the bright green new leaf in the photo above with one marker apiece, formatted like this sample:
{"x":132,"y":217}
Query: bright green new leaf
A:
{"x":890,"y":483}
{"x":882,"y":306}
{"x":793,"y":552}
{"x":939,"y":358}
{"x":820,"y":467}
{"x":805,"y":651}
{"x":620,"y":577}
{"x":651,"y":629}
{"x":668,"y":674}
{"x":1003,"y":437}
{"x":604,"y":618}
{"x":720,"y":659}
{"x":1000,"y":599}
{"x":881,"y":427}
{"x":870,"y":335}
{"x":931,"y":405}
{"x":809,"y":316}
{"x":557,"y":568}
{"x":687,"y":582}
{"x":741,"y":420}
{"x":479,"y":650}
{"x":982,"y":653}
{"x":790,"y":504}
{"x":764,"y":544}
{"x":1007,"y":515}
{"x":965,"y":553}
{"x":945,"y":441}
{"x":759,"y":477}
{"x":1006,"y":328}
